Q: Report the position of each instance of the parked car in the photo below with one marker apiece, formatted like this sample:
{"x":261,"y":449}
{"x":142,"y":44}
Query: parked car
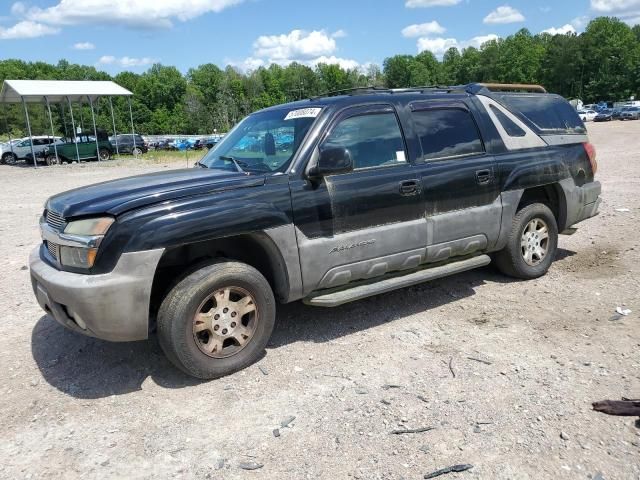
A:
{"x":22,"y":148}
{"x":82,"y":147}
{"x":211,"y":142}
{"x":380,"y":189}
{"x":630,"y":113}
{"x":128,"y":144}
{"x":182,"y":144}
{"x":615,"y":115}
{"x":604,"y":116}
{"x":587,"y":115}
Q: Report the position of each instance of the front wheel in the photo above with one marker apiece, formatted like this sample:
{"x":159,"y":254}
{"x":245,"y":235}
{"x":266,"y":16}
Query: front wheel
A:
{"x":532,"y":243}
{"x":52,"y":160}
{"x":217,"y":320}
{"x":136,"y":151}
{"x":9,"y":158}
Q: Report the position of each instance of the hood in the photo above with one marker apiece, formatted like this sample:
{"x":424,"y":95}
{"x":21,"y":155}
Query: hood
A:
{"x":118,"y":196}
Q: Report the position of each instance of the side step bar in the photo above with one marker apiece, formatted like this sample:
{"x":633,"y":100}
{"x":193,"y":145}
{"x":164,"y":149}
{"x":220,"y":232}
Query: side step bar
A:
{"x":335,"y":299}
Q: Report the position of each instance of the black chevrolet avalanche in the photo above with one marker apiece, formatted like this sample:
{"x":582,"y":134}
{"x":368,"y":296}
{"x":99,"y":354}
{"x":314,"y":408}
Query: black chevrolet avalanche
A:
{"x":327,"y":200}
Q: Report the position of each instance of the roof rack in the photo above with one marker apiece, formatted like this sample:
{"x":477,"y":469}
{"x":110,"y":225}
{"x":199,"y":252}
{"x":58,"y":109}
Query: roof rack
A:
{"x":352,"y":91}
{"x":513,"y":87}
{"x":374,"y":89}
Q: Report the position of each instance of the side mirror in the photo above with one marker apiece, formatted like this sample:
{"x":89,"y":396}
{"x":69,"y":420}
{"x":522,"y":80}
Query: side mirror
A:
{"x":332,"y":161}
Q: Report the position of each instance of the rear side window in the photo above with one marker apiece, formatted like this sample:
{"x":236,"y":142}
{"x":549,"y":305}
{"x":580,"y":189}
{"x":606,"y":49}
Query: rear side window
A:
{"x":374,"y":140}
{"x":509,"y":125}
{"x":549,"y":113}
{"x":447,"y":132}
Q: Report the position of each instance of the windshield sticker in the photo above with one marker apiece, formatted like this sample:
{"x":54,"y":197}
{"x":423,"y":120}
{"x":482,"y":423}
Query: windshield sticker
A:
{"x":303,"y":113}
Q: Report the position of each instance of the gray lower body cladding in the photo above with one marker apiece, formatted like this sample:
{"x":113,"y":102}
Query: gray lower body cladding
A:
{"x":112,"y":306}
{"x":334,"y":299}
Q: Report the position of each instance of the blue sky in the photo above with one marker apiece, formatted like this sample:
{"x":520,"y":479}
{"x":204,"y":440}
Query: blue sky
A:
{"x":116,"y":35}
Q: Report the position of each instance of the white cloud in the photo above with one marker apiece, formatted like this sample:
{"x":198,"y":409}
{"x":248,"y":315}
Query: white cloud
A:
{"x":430,"y":3}
{"x":423,"y":29}
{"x":84,"y":46}
{"x":18,"y":8}
{"x":608,"y":6}
{"x":295,"y":44}
{"x":580,"y":22}
{"x":345,"y":63}
{"x":107,"y":59}
{"x":627,"y":10}
{"x":126,"y":62}
{"x":306,"y":48}
{"x":438,"y":46}
{"x":568,"y":28}
{"x":139,"y":13}
{"x":27,"y":29}
{"x":478,"y":41}
{"x":504,"y":14}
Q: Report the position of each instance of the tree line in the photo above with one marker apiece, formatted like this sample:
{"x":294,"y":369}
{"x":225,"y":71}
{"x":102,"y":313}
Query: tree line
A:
{"x":603,"y":63}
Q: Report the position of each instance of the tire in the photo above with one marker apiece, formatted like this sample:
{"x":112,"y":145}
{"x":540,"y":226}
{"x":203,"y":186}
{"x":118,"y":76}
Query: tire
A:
{"x":9,"y":158}
{"x":511,"y":259}
{"x":136,"y":151}
{"x":52,"y":160}
{"x":206,"y":354}
{"x":104,"y":154}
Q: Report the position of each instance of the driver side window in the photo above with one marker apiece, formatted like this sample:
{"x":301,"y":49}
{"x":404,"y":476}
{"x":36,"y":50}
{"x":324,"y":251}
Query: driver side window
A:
{"x":374,"y":140}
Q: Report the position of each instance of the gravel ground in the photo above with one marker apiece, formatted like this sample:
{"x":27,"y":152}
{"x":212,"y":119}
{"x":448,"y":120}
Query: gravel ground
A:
{"x":504,"y":371}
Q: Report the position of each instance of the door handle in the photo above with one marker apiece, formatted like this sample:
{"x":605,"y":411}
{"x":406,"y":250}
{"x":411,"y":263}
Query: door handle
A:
{"x":483,"y":176}
{"x":409,"y":187}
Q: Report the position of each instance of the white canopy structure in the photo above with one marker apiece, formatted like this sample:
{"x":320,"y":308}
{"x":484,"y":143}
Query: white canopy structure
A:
{"x":57,"y":91}
{"x":63,"y":91}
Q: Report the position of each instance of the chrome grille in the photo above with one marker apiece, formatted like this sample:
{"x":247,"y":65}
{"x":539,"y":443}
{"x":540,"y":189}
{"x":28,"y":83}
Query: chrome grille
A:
{"x":54,"y":249}
{"x":54,"y":220}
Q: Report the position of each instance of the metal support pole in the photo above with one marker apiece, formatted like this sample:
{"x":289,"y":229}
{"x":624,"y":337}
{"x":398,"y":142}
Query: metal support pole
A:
{"x":95,"y":129}
{"x":81,"y":119}
{"x":6,"y":122}
{"x":26,"y":114}
{"x":53,"y":135}
{"x":73,"y":125}
{"x":64,"y":121}
{"x":133,"y":130}
{"x":113,"y":120}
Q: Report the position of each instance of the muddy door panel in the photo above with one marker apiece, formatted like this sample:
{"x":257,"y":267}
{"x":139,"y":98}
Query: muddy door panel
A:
{"x":365,"y":222}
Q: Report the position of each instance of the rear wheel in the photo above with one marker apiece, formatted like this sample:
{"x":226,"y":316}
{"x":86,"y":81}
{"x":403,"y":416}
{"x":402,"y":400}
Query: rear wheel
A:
{"x":104,"y":154}
{"x":136,"y":151}
{"x":217,"y":320}
{"x":532,"y":243}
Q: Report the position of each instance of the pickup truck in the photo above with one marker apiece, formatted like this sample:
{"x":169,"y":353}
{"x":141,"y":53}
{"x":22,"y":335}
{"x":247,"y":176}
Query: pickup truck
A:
{"x":326,"y":200}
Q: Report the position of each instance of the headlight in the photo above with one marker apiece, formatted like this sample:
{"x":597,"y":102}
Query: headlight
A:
{"x":83,"y":256}
{"x":89,"y":226}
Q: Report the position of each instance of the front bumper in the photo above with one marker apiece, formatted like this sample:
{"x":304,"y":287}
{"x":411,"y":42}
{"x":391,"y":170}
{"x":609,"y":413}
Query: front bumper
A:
{"x":112,"y":306}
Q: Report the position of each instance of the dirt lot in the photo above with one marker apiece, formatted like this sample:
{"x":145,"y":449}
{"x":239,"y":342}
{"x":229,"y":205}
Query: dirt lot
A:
{"x":76,"y":407}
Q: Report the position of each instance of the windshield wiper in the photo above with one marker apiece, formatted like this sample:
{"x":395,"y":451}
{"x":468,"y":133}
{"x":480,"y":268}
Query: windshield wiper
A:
{"x":235,"y":162}
{"x":200,"y":164}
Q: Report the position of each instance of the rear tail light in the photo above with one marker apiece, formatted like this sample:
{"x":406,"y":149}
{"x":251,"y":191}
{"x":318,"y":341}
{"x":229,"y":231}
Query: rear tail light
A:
{"x":591,"y":153}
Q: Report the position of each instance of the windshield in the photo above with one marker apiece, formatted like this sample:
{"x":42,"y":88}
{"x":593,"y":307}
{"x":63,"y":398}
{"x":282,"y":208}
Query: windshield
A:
{"x":263,"y":142}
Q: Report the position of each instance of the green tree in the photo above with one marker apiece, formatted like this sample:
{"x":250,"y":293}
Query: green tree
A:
{"x":613,"y":52}
{"x":397,"y":71}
